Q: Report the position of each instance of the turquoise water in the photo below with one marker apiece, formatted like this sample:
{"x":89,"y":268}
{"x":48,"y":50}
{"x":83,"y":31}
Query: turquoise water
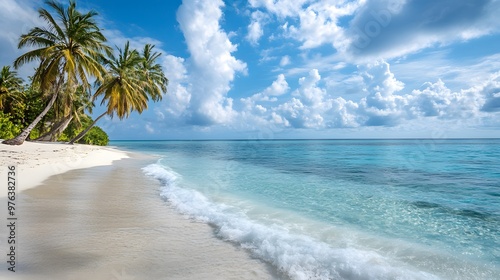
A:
{"x":344,"y":209}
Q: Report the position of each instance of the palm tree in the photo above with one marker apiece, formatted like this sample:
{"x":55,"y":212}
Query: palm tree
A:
{"x":70,"y":108}
{"x":129,"y":83}
{"x":10,"y":86}
{"x":68,"y":51}
{"x":156,"y":82}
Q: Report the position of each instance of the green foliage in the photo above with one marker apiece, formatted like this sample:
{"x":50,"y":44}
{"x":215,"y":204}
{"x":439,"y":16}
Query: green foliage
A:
{"x":20,"y":109}
{"x":35,"y":133}
{"x":10,"y":87}
{"x":74,"y":128}
{"x":95,"y":136}
{"x":8,"y":129}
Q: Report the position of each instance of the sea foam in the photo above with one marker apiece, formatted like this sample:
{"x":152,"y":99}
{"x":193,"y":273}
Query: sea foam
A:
{"x":298,"y":256}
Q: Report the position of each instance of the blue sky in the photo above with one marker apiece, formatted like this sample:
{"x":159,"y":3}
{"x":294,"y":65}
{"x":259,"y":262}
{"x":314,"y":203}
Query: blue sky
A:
{"x":267,"y":69}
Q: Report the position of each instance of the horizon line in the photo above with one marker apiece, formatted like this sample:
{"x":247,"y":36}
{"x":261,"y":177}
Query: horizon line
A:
{"x":308,"y":139}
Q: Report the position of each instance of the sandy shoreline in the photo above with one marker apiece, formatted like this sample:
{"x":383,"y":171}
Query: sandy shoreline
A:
{"x":37,"y":161}
{"x":108,"y":222}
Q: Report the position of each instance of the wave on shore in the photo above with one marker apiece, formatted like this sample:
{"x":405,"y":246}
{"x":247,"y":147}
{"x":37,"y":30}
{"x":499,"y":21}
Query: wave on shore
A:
{"x":298,"y":256}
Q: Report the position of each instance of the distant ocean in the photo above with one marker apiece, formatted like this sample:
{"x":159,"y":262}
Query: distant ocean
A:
{"x":343,"y":209}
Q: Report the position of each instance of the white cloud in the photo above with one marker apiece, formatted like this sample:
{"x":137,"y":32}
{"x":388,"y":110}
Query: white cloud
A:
{"x":255,"y":27}
{"x":16,"y":18}
{"x":379,"y":78}
{"x":313,"y":23}
{"x":282,"y":8}
{"x":318,"y":25}
{"x":438,"y":100}
{"x":381,"y":106}
{"x":314,"y":107}
{"x":311,"y":107}
{"x":462,"y":73}
{"x":178,"y":96}
{"x":491,"y":92}
{"x":277,"y":88}
{"x":384,"y":107}
{"x":211,"y":65}
{"x":386,"y":103}
{"x":260,"y":109}
{"x":309,"y":92}
{"x":285,"y":60}
{"x":382,"y":29}
{"x":343,"y":113}
{"x":390,"y":28}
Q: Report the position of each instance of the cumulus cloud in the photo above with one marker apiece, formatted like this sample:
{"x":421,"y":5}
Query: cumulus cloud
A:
{"x":277,"y":88}
{"x":438,"y":100}
{"x":492,"y":95}
{"x":381,"y":106}
{"x":178,"y":97}
{"x":386,"y":103}
{"x":317,"y":20}
{"x":318,"y":24}
{"x":211,"y":66}
{"x":312,"y":107}
{"x":386,"y":106}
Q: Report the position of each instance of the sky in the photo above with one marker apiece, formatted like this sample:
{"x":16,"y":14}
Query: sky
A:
{"x":274,"y":69}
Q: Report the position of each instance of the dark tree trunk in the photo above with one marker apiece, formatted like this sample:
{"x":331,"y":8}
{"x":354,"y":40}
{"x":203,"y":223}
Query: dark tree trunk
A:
{"x":56,"y":130}
{"x":81,"y":134}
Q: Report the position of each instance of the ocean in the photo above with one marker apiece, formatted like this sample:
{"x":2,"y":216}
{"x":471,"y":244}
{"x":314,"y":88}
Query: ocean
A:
{"x":343,"y":209}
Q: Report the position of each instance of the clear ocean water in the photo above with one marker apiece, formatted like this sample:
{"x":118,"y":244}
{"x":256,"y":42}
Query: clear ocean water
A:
{"x":343,"y":209}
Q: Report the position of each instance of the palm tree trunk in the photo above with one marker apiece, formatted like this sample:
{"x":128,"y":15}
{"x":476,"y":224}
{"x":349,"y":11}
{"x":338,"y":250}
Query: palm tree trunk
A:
{"x":19,"y":139}
{"x":81,"y":134}
{"x":56,"y":130}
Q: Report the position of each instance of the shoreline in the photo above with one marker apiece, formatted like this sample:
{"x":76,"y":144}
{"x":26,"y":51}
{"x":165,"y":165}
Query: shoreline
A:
{"x":37,"y":161}
{"x":109,"y":222}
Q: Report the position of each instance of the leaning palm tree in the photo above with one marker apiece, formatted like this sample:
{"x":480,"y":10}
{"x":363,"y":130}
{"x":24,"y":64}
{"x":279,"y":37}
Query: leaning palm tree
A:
{"x":10,"y":86}
{"x":127,"y":86}
{"x":68,"y":109}
{"x":68,"y":50}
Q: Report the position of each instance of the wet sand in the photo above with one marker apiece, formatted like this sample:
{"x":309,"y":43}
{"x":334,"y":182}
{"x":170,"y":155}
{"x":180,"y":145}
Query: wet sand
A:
{"x":109,"y":222}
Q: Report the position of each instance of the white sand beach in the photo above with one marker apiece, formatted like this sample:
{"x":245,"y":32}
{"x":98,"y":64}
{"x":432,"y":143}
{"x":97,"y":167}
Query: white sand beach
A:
{"x":84,"y":214}
{"x":37,"y":161}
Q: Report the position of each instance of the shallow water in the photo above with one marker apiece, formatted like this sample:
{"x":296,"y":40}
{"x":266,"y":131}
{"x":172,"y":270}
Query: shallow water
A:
{"x":344,"y":209}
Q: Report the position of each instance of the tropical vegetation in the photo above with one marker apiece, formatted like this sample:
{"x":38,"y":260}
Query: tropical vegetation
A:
{"x":73,"y":60}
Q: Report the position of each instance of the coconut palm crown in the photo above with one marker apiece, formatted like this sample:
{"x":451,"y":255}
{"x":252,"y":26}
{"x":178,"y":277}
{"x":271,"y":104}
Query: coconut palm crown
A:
{"x":130,"y":82}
